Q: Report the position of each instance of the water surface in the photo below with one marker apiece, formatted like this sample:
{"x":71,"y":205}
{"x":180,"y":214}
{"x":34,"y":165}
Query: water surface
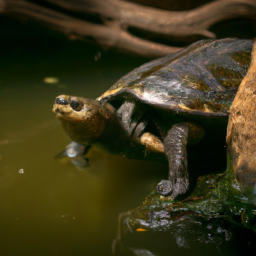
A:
{"x":49,"y":207}
{"x":53,"y":208}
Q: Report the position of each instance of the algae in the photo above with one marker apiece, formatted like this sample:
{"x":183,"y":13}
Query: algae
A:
{"x":212,"y":208}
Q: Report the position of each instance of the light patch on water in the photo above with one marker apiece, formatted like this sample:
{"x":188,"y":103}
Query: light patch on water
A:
{"x":3,"y":142}
{"x":21,"y":171}
{"x":51,"y":80}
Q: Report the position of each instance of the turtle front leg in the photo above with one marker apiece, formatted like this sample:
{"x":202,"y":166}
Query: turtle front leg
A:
{"x":131,"y":117}
{"x":125,"y":114}
{"x":175,"y":147}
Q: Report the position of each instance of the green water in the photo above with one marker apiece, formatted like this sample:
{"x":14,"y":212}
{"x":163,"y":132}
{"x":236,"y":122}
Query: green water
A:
{"x":53,"y":208}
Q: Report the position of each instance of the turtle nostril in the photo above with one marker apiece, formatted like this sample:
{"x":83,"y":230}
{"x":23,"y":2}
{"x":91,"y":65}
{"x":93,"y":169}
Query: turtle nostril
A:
{"x":61,"y":101}
{"x":76,"y":105}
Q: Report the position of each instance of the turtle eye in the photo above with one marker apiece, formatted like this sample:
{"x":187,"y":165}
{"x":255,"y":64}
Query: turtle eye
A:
{"x":76,"y":105}
{"x":61,"y":101}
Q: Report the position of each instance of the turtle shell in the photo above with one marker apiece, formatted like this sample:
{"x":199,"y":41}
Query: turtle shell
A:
{"x":202,"y":79}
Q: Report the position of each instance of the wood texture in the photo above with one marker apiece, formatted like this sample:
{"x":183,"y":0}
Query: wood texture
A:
{"x":109,"y":37}
{"x":168,"y":23}
{"x":129,"y":27}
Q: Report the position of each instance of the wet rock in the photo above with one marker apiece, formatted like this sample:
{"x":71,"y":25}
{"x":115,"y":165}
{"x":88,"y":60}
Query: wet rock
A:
{"x":241,"y":133}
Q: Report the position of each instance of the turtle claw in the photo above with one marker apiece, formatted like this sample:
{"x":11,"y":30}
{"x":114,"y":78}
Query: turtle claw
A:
{"x":167,"y":188}
{"x":164,"y":187}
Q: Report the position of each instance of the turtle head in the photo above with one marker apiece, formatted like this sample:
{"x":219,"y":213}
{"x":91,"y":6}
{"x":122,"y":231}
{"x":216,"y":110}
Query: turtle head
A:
{"x":83,"y":119}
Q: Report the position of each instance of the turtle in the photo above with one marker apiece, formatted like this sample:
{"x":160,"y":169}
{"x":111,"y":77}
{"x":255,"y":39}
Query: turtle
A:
{"x":163,"y":107}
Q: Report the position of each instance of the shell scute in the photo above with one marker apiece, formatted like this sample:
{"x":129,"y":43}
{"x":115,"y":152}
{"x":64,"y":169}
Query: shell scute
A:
{"x":201,"y":79}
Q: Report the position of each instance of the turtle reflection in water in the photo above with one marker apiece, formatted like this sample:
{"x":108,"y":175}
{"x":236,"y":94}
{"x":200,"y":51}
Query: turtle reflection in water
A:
{"x":160,"y":108}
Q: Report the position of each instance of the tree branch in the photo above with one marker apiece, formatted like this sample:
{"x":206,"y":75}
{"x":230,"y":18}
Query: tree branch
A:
{"x":178,"y":25}
{"x":106,"y":36}
{"x":117,"y":16}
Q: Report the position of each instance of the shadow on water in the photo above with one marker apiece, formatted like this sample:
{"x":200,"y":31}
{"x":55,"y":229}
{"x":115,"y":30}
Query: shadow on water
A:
{"x":49,"y":207}
{"x":163,"y":243}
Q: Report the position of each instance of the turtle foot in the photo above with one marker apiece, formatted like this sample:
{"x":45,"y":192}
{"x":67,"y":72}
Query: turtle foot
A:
{"x":168,"y":188}
{"x":180,"y":187}
{"x":164,"y":187}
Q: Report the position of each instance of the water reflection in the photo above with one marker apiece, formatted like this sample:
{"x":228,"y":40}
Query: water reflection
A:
{"x":184,"y":240}
{"x":51,"y":208}
{"x":75,"y":152}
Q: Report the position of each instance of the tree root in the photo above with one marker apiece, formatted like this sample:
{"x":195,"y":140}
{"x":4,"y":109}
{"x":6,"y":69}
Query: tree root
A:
{"x":118,"y":16}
